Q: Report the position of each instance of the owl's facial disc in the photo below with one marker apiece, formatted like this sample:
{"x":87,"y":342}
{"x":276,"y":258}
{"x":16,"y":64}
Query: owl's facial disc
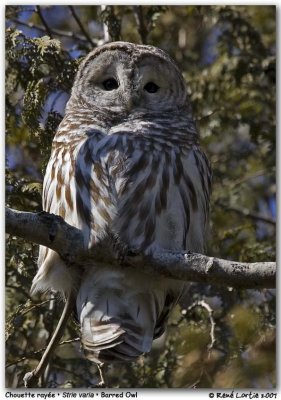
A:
{"x":147,"y":83}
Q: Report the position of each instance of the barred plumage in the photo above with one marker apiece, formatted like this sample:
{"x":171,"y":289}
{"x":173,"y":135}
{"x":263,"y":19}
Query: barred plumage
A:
{"x":125,"y":161}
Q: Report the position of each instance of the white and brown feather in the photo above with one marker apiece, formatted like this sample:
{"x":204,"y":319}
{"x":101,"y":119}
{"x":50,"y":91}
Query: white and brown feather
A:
{"x":132,"y":167}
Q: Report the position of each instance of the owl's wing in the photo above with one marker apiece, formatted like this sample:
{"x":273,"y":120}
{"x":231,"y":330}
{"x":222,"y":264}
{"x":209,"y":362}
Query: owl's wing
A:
{"x":194,"y":177}
{"x":76,"y":188}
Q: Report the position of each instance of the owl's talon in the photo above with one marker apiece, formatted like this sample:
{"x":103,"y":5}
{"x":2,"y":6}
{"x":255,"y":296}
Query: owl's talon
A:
{"x":122,"y":251}
{"x":119,"y":248}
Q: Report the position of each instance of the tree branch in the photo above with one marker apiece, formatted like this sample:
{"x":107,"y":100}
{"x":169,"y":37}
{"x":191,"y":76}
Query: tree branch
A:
{"x":106,"y":36}
{"x":56,"y":32}
{"x":142,"y":29}
{"x":81,"y":26}
{"x":44,"y":22}
{"x":249,"y":214}
{"x":31,"y":378}
{"x":52,"y":231}
{"x":34,"y":353}
{"x":48,"y":230}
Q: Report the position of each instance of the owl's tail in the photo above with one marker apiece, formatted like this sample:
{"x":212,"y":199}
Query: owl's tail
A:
{"x":121,"y":314}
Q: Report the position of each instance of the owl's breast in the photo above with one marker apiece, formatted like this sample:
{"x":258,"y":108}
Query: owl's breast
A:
{"x":148,"y":190}
{"x":158,"y":198}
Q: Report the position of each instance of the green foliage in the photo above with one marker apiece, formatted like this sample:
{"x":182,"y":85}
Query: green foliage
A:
{"x":227,"y":55}
{"x":37,"y":67}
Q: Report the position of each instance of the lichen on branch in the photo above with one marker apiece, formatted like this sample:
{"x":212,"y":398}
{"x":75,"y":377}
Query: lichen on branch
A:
{"x":68,"y":241}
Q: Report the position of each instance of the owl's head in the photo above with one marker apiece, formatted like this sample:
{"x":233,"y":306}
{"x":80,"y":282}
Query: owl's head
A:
{"x":125,"y":78}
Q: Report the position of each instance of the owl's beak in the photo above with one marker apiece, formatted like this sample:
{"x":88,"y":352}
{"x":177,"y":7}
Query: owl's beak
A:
{"x":129,"y":104}
{"x":132,"y":101}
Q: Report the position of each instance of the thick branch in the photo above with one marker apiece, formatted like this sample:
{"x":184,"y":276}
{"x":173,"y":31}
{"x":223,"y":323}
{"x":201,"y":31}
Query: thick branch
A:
{"x":48,"y":230}
{"x":52,"y":231}
{"x":187,"y":266}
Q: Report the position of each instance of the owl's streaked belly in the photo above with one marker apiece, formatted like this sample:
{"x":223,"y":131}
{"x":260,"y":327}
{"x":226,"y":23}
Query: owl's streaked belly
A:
{"x":154,"y":205}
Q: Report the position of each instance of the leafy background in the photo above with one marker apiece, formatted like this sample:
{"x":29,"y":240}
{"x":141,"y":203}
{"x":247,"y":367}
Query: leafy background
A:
{"x":220,"y":337}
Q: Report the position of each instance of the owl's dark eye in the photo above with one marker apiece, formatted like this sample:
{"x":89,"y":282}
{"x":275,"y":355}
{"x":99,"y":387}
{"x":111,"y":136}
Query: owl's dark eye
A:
{"x":151,"y":87}
{"x":110,"y":84}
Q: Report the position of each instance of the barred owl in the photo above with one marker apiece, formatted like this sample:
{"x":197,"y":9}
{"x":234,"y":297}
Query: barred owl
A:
{"x":126,"y":162}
